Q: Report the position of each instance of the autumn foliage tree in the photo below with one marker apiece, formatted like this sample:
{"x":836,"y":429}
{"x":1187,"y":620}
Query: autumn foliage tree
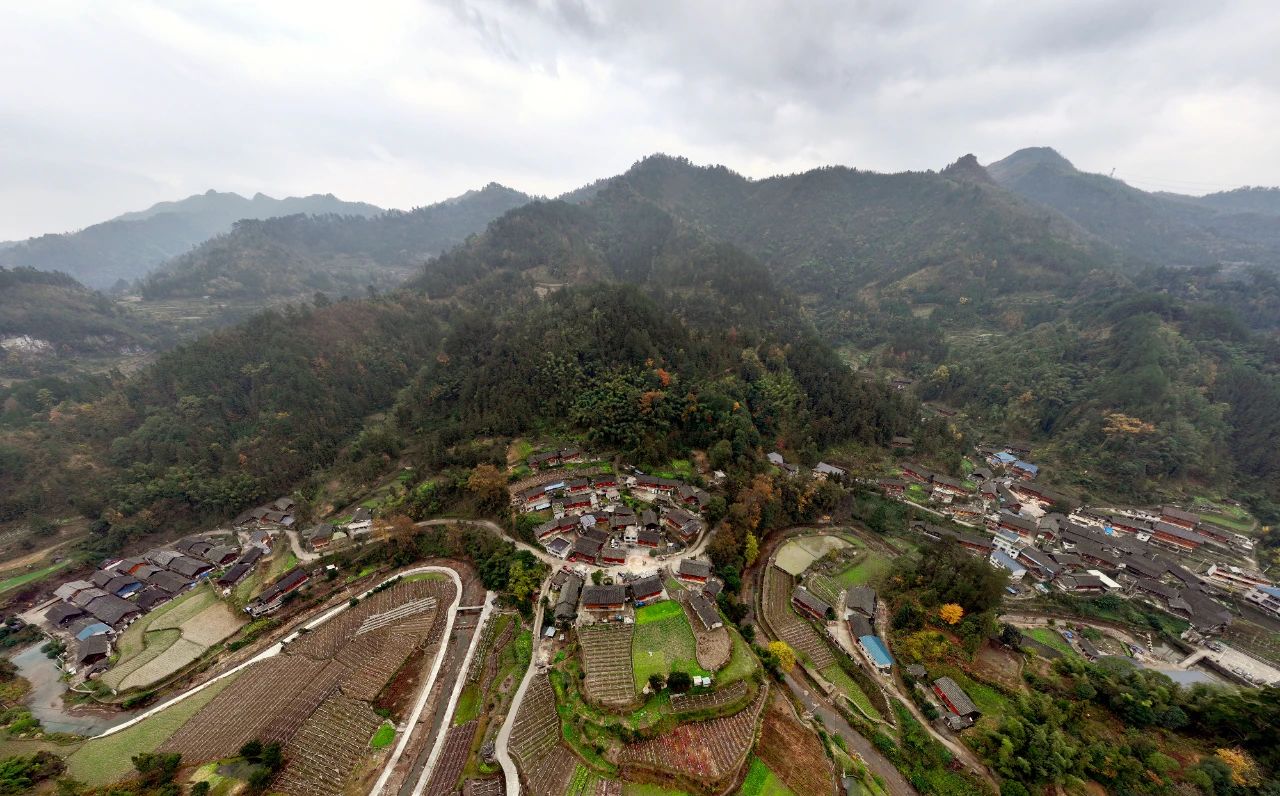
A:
{"x":951,"y":613}
{"x":785,"y":656}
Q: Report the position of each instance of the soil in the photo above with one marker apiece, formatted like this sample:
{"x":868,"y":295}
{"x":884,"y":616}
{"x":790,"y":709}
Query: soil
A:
{"x":1000,"y":665}
{"x":793,"y":751}
{"x":400,"y":694}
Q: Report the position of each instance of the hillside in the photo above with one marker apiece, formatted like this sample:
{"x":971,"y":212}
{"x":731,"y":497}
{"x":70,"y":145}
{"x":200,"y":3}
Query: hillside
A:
{"x":48,"y":320}
{"x":298,"y":255}
{"x":129,"y":246}
{"x":663,"y":340}
{"x":1151,"y":229}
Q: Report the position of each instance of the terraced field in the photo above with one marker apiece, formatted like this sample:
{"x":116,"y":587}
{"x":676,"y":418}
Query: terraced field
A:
{"x":545,"y":762}
{"x":664,"y":643}
{"x":453,"y":758}
{"x":787,"y":625}
{"x":606,"y":659}
{"x":330,"y":741}
{"x":705,"y":751}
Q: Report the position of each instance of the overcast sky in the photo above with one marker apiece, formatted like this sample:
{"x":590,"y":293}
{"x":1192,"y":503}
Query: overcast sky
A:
{"x":109,"y":107}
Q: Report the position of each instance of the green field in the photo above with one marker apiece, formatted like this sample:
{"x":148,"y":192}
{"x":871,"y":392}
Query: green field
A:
{"x":825,"y":588}
{"x":761,"y":781}
{"x":154,"y":633}
{"x":22,"y":579}
{"x":742,"y":662}
{"x":1051,"y":638}
{"x":384,"y":736}
{"x":104,"y":760}
{"x":468,"y":704}
{"x":991,"y":702}
{"x":658,"y":612}
{"x":871,"y":566}
{"x":841,"y":680}
{"x":663,"y":643}
{"x":645,"y":789}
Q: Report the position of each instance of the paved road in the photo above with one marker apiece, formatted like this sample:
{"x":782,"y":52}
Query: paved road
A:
{"x":459,"y":681}
{"x":878,"y":763}
{"x":501,"y":749}
{"x":303,"y":556}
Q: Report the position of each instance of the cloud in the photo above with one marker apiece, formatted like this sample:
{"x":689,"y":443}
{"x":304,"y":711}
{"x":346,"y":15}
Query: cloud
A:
{"x":113,"y":107}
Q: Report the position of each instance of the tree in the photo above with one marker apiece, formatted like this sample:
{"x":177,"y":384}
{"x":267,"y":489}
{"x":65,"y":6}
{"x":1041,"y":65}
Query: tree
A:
{"x":785,"y":656}
{"x":252,"y":750}
{"x":657,"y":682}
{"x":751,"y":549}
{"x":272,"y":757}
{"x":679,"y":682}
{"x":522,"y":581}
{"x":597,"y":577}
{"x":951,"y":613}
{"x":489,"y":485}
{"x":201,"y":788}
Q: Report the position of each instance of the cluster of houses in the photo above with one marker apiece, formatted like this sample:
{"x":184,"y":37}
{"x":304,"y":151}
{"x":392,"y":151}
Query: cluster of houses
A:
{"x":959,"y":711}
{"x":1084,"y":554}
{"x":326,"y":535}
{"x":821,"y":471}
{"x":859,"y":611}
{"x":606,"y":601}
{"x":278,"y":512}
{"x":93,"y":611}
{"x":591,"y":525}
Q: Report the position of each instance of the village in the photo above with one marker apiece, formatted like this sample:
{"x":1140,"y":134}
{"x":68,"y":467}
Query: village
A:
{"x":1168,"y":557}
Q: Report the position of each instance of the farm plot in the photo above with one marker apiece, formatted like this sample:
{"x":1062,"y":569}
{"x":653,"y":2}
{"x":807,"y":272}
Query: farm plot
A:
{"x":196,"y":633}
{"x":153,"y":634}
{"x":825,"y":588}
{"x":763,"y":781}
{"x":712,"y":647}
{"x":482,"y":787}
{"x":871,"y":566}
{"x":685,"y":703}
{"x":269,"y":698}
{"x":322,"y":754}
{"x":606,"y":659}
{"x":453,"y":758}
{"x":793,"y":752}
{"x":704,"y":751}
{"x":103,"y":760}
{"x":372,"y":658}
{"x":797,"y":555}
{"x":787,"y":625}
{"x":546,"y":763}
{"x":664,"y":646}
{"x":846,"y":685}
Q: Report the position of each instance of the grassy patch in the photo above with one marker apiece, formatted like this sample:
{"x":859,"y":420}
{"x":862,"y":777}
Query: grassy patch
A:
{"x":645,"y":789}
{"x":761,"y":781}
{"x":825,"y":588}
{"x":841,"y":680}
{"x":1051,"y":638}
{"x":157,"y":642}
{"x":468,"y":705}
{"x":664,"y":645}
{"x":742,"y":661}
{"x":658,"y":612}
{"x":384,"y":736}
{"x":22,"y":579}
{"x":424,"y":576}
{"x":104,"y":760}
{"x":870,"y":567}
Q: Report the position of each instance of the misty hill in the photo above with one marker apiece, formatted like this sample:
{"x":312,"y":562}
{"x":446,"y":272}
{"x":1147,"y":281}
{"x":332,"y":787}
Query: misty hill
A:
{"x":298,"y":255}
{"x":129,"y":246}
{"x":1151,"y":229}
{"x":46,"y":316}
{"x":841,"y":237}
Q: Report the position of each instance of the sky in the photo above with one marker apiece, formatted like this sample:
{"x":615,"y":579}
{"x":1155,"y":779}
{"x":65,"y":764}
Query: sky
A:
{"x":110,"y":107}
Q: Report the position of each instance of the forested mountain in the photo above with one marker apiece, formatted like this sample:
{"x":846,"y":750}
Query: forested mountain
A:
{"x":47,"y":316}
{"x":298,"y":255}
{"x":1151,"y":229}
{"x":655,"y":339}
{"x":129,"y":246}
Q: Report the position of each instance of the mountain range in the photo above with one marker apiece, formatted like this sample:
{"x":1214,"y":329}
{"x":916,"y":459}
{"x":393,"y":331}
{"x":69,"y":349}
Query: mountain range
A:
{"x":677,"y":307}
{"x":130,"y":245}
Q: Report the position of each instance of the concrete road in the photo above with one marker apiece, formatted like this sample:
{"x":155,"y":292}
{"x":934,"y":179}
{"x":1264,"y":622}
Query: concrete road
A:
{"x":503,"y":741}
{"x":303,"y":556}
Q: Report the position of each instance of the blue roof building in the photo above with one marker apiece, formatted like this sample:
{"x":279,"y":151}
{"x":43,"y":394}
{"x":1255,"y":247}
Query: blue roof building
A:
{"x":1005,"y":458}
{"x":877,"y":652}
{"x":1026,"y":467}
{"x":96,"y":629}
{"x":1002,"y":560}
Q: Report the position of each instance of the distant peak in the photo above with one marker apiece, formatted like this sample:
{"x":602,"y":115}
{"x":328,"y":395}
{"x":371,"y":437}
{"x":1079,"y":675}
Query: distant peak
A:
{"x":969,"y":169}
{"x":1040,"y":156}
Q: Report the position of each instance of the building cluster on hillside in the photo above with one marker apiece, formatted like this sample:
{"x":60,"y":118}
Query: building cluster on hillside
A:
{"x":278,"y":512}
{"x":591,"y":523}
{"x":821,"y":471}
{"x":1018,"y":524}
{"x":327,"y":535}
{"x":603,"y":602}
{"x":94,"y":611}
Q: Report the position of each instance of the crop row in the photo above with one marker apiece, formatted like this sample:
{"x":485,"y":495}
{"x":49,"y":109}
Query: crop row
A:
{"x":606,"y":659}
{"x":684,"y":703}
{"x":787,"y":625}
{"x":537,"y":725}
{"x":325,"y":750}
{"x":705,"y":750}
{"x":371,"y":660}
{"x":453,"y":758}
{"x":268,"y":702}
